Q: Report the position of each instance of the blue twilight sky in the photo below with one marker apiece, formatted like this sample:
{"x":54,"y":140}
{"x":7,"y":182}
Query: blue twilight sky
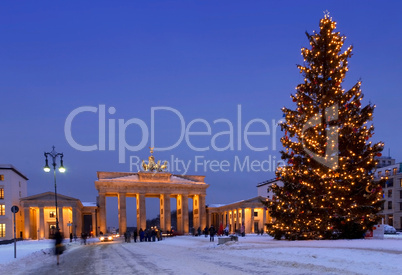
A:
{"x":207,"y":63}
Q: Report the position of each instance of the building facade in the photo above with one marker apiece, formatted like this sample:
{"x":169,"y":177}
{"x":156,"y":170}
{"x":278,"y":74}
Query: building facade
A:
{"x":251,"y":213}
{"x":160,"y":185}
{"x":262,"y":188}
{"x":392,"y":197}
{"x":74,"y":217}
{"x":13,"y":186}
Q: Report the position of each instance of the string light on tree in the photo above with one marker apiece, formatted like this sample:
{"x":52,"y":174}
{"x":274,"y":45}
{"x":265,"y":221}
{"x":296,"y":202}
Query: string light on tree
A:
{"x":328,"y":188}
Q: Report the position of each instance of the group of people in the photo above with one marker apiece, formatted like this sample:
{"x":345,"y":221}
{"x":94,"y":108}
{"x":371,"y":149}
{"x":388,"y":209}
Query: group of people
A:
{"x":148,"y":235}
{"x":211,"y":231}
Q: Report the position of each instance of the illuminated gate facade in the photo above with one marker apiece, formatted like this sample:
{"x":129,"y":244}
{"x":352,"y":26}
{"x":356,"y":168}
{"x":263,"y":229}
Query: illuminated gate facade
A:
{"x":154,"y":184}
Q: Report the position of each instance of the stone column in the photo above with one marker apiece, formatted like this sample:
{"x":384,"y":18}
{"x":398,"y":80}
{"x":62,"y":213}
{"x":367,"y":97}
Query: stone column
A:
{"x":252,"y":220}
{"x":102,"y":213}
{"x":141,"y":212}
{"x":61,"y":220}
{"x":196,"y":212}
{"x":264,"y":218}
{"x":94,"y":229}
{"x":122,"y":212}
{"x":179,"y":215}
{"x":75,"y":222}
{"x":184,"y":203}
{"x":238,"y":225}
{"x":162,"y":221}
{"x":168,"y":220}
{"x":232,"y":221}
{"x":203,"y":213}
{"x":27,"y":218}
{"x":243,"y":218}
{"x":41,"y":223}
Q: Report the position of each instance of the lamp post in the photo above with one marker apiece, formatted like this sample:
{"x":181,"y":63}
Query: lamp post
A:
{"x":53,"y":154}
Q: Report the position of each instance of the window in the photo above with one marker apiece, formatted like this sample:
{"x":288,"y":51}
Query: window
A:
{"x":2,"y":192}
{"x":1,"y":177}
{"x":379,"y":174}
{"x":387,"y":173}
{"x":2,"y":209}
{"x":255,"y":214}
{"x":389,"y":193}
{"x":2,"y":230}
{"x":395,"y":171}
{"x":391,"y":220}
{"x":400,"y":206}
{"x":52,"y":214}
{"x":400,"y":194}
{"x":390,"y":205}
{"x":390,"y":182}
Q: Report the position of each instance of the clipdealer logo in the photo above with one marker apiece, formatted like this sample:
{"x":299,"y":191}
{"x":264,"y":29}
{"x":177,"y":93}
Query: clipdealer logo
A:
{"x":112,"y":137}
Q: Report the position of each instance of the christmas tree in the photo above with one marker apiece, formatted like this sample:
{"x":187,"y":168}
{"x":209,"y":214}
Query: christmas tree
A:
{"x":328,"y":183}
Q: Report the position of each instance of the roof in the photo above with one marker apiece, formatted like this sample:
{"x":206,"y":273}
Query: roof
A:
{"x":10,"y":167}
{"x":89,"y":204}
{"x":216,"y":205}
{"x":49,"y":196}
{"x":267,"y":182}
{"x":139,"y":177}
{"x":257,"y":199}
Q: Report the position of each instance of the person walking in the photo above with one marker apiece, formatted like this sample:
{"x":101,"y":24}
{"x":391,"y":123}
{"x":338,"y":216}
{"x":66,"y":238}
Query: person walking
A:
{"x":220,"y":231}
{"x":141,"y":235}
{"x":206,"y":231}
{"x":84,"y":237}
{"x":135,"y":235}
{"x":59,"y":247}
{"x":158,"y":234}
{"x":211,"y":233}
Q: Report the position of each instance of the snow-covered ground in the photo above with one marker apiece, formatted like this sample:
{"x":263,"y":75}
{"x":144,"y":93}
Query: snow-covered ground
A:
{"x":250,"y":255}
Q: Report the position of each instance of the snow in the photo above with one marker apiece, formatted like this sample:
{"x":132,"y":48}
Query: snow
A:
{"x":89,"y":204}
{"x":250,"y":255}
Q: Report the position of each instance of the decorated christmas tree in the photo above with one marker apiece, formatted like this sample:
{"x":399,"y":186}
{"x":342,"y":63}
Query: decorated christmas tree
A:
{"x":328,"y":186}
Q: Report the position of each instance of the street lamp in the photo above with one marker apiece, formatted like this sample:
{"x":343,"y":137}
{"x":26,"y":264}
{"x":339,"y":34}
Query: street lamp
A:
{"x":53,"y":154}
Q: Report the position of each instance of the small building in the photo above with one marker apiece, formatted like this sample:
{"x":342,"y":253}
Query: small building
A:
{"x":251,"y":212}
{"x":40,"y":216}
{"x":13,"y":186}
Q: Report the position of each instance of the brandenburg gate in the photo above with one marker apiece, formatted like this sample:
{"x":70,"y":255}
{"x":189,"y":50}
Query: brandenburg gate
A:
{"x":153,"y":182}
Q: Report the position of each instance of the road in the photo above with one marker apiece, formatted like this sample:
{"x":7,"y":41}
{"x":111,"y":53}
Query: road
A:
{"x":196,"y":255}
{"x":102,"y":258}
{"x":191,"y":256}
